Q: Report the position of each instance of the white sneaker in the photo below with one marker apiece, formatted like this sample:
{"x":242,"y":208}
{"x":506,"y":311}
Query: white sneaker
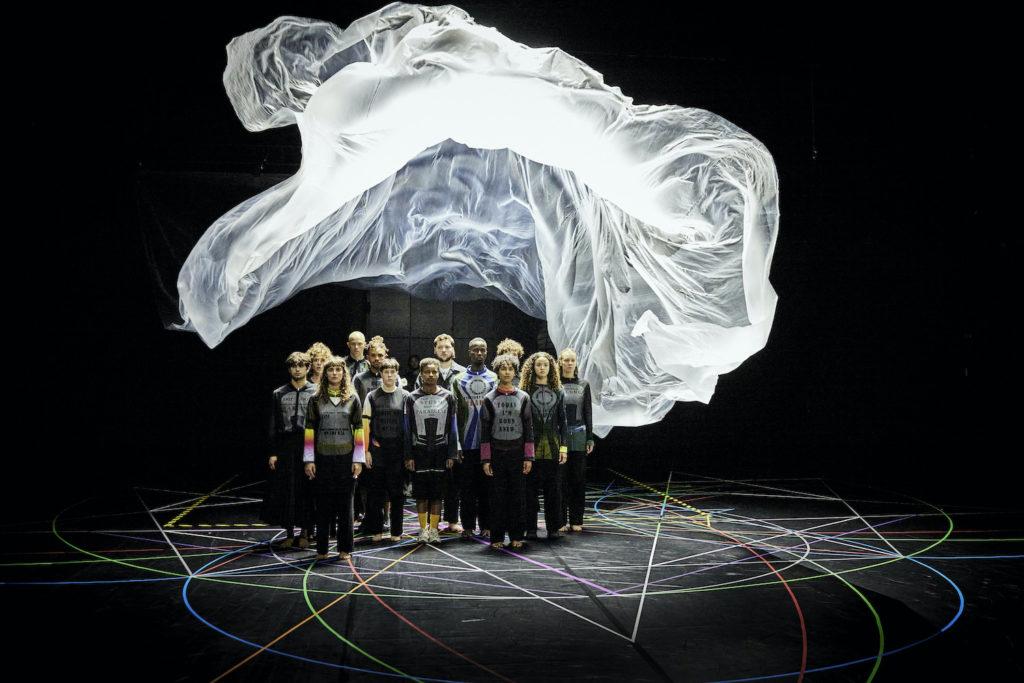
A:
{"x":435,"y":536}
{"x":424,"y":536}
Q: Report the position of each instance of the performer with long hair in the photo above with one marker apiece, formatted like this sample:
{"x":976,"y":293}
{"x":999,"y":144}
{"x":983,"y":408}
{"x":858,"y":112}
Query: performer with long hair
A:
{"x":334,"y":454}
{"x":540,"y":379}
{"x":578,"y":417}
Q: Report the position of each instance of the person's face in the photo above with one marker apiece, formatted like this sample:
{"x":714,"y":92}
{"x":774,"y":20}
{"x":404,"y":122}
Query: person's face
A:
{"x":477,"y":353}
{"x":376,"y":357}
{"x":297,"y":370}
{"x":318,"y":364}
{"x":414,"y":363}
{"x":541,"y":368}
{"x":428,"y":376}
{"x":389,"y":376}
{"x":506,"y":373}
{"x":335,"y":374}
{"x":444,"y":351}
{"x":356,"y":346}
{"x":568,"y":363}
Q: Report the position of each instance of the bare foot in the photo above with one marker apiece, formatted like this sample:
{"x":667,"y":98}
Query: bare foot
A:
{"x":286,"y":543}
{"x":517,"y":544}
{"x":577,"y":527}
{"x":455,"y":528}
{"x":396,"y":539}
{"x":497,"y":545}
{"x":322,"y":556}
{"x":564,"y":527}
{"x":344,"y":556}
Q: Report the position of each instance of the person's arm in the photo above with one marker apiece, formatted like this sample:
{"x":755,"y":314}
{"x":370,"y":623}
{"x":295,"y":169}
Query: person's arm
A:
{"x":272,"y":433}
{"x":486,"y":419}
{"x":358,"y":446}
{"x":563,"y":428}
{"x":367,"y":433}
{"x":528,"y":436}
{"x":453,"y":432}
{"x":588,"y":417}
{"x":309,"y":445}
{"x":407,"y":420}
{"x":461,"y":412}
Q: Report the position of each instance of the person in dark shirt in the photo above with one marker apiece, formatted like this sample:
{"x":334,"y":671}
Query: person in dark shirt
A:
{"x":384,"y":429}
{"x":579,"y":419}
{"x":432,"y":437}
{"x":369,"y":379}
{"x":471,"y":388}
{"x":355,"y":361}
{"x":540,"y":379}
{"x":288,"y":503}
{"x":506,"y":452}
{"x":334,"y":454}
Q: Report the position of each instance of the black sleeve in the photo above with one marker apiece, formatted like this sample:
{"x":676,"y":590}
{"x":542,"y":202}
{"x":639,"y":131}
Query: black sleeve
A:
{"x":272,"y":432}
{"x":408,"y":421}
{"x":563,"y":424}
{"x":453,"y":429}
{"x":588,"y":416}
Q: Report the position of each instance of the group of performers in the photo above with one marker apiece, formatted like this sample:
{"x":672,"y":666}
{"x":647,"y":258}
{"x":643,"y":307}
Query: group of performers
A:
{"x":478,"y":442}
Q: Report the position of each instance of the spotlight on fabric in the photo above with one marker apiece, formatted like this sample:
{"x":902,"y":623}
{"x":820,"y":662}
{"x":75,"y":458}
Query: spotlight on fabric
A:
{"x":445,"y":159}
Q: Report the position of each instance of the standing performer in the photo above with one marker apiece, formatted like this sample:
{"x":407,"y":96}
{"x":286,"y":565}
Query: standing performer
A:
{"x":444,"y":351}
{"x":539,"y":378}
{"x":384,"y":428}
{"x":355,"y":361}
{"x":470,"y":389}
{"x":334,"y":454}
{"x":506,"y":450}
{"x":432,"y":437}
{"x":370,"y":379}
{"x":511,"y":346}
{"x":288,"y":501}
{"x":581,"y":440}
{"x":364,"y":383}
{"x":318,"y":355}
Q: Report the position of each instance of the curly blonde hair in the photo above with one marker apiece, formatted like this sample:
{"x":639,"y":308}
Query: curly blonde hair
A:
{"x":526,"y":379}
{"x":319,"y":350}
{"x":377,"y":343}
{"x":510,"y":346}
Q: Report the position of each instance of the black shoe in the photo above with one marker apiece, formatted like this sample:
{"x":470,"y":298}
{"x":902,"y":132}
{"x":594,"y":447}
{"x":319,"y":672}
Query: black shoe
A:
{"x":552,"y":535}
{"x":531,"y":536}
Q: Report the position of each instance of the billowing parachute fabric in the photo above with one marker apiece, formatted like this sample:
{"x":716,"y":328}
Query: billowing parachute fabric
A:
{"x":441,"y":157}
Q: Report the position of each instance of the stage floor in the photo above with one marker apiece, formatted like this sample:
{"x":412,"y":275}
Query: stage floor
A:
{"x":690,"y":578}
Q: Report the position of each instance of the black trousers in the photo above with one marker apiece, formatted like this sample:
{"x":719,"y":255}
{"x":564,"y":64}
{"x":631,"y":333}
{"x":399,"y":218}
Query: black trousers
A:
{"x":545,"y":478}
{"x":333,"y":487}
{"x":506,"y":504}
{"x":574,"y":488}
{"x":473,"y":490}
{"x":385,"y":481}
{"x":451,"y":498}
{"x":289,"y":500}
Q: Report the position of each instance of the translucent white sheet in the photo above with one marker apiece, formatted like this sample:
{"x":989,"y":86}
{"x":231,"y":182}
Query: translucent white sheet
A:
{"x":441,"y":157}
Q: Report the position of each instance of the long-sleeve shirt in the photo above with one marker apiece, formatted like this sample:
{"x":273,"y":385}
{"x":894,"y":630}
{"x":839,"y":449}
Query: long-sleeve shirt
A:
{"x":549,"y":426}
{"x":470,"y":389}
{"x":445,"y":377}
{"x":334,"y":429}
{"x":384,"y":414}
{"x":578,"y":412}
{"x":430,"y":421}
{"x":365,"y":382}
{"x":288,"y":412}
{"x":506,"y":423}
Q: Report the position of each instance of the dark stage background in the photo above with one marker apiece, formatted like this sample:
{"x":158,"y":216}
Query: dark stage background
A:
{"x":888,"y":362}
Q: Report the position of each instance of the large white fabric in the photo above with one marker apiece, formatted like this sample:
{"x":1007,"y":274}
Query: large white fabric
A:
{"x":441,"y":157}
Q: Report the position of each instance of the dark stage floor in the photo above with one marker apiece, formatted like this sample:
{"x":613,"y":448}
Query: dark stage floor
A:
{"x":688,"y":579}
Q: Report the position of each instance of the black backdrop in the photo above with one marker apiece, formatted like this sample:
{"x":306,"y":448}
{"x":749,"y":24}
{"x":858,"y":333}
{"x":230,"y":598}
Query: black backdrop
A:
{"x":889,"y":361}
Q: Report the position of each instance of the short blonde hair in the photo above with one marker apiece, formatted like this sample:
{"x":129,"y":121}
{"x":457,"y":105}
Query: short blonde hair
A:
{"x":507,"y":345}
{"x":319,"y":350}
{"x":444,"y":337}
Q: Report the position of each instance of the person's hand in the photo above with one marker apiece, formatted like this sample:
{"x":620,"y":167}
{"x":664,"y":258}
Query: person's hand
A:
{"x":590,"y":447}
{"x":449,"y":463}
{"x":357,"y":469}
{"x":410,"y":465}
{"x":311,"y":470}
{"x":487,"y":469}
{"x":562,"y":457}
{"x":375,"y":443}
{"x":273,"y":462}
{"x":458,"y":455}
{"x":527,"y":466}
{"x":369,"y":461}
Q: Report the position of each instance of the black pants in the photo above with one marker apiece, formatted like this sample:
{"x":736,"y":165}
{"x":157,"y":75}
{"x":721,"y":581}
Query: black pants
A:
{"x":451,"y":499}
{"x":289,"y":503}
{"x":385,"y":481}
{"x":473,"y":489}
{"x":506,"y":504}
{"x":574,"y":488}
{"x":545,"y":478}
{"x":333,"y":485}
